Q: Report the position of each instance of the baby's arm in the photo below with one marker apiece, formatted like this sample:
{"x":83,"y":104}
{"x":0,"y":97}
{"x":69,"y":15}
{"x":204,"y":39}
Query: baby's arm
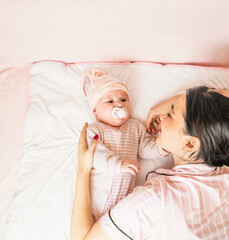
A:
{"x":147,"y":145}
{"x":104,"y":159}
{"x":130,"y":166}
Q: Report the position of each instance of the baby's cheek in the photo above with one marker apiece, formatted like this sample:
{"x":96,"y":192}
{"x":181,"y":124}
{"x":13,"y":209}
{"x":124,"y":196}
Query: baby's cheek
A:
{"x":129,"y":111}
{"x":106,"y":119}
{"x":106,"y":110}
{"x":106,"y":113}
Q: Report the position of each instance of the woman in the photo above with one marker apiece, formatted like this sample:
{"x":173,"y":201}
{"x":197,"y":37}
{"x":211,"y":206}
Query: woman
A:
{"x":191,"y":201}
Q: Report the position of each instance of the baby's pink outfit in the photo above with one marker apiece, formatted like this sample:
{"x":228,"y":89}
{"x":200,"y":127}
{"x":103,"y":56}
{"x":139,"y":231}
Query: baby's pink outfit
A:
{"x":107,"y":185}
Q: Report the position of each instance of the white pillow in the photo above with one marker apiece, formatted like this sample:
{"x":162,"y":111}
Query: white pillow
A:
{"x":42,"y":206}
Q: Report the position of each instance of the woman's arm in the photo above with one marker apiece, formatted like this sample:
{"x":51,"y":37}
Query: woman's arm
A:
{"x":82,"y":220}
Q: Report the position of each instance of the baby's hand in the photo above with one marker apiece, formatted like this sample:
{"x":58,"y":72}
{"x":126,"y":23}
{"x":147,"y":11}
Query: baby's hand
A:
{"x":130,"y":166}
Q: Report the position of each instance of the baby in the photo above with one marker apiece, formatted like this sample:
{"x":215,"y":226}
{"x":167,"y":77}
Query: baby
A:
{"x":121,"y":140}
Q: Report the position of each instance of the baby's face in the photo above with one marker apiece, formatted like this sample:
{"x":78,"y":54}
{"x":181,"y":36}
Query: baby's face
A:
{"x":103,"y":109}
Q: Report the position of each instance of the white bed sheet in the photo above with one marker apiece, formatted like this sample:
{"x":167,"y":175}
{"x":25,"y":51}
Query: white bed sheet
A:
{"x":42,"y":205}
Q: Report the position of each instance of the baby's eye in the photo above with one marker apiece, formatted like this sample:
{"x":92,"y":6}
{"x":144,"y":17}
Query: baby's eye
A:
{"x":123,"y":100}
{"x":110,"y":101}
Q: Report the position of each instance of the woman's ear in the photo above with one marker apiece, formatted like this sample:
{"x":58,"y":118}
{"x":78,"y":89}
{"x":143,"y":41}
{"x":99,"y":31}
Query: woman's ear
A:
{"x":191,"y":144}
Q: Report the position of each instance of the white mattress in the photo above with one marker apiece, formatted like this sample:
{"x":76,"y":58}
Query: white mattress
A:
{"x":41,"y":207}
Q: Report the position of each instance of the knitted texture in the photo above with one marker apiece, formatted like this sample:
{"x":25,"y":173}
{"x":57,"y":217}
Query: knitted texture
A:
{"x":96,"y":83}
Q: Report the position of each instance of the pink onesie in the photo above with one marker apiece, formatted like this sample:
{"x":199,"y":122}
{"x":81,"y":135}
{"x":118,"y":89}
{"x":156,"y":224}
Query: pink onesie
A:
{"x":107,"y":185}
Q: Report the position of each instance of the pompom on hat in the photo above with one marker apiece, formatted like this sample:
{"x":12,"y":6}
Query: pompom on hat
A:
{"x":96,"y":83}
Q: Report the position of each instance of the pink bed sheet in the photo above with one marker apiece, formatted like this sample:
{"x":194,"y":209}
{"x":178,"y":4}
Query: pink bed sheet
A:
{"x":14,"y":103}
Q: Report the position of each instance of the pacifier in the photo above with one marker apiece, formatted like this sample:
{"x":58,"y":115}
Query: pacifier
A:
{"x":119,"y":112}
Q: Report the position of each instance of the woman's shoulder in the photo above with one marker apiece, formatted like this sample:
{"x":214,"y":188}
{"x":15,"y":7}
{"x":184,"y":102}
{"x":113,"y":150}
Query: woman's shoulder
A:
{"x":140,"y":200}
{"x":151,"y":189}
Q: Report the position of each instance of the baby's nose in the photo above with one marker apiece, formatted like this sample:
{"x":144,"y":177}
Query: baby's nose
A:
{"x":118,"y":104}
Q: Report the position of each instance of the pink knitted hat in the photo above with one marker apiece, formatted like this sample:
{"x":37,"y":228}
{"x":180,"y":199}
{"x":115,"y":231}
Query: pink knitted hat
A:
{"x":96,"y":83}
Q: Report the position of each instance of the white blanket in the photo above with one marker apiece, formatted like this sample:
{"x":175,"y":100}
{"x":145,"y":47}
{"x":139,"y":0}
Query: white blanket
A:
{"x":42,"y":205}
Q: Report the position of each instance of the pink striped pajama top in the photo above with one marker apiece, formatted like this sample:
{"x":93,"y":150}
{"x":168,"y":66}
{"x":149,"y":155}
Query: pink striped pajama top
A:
{"x":189,"y":202}
{"x":107,"y":185}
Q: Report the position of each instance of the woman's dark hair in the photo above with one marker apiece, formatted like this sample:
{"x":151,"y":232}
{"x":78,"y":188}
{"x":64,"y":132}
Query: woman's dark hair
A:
{"x":207,"y":117}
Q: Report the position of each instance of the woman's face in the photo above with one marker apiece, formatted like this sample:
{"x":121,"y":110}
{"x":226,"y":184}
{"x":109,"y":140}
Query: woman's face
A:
{"x":171,"y":127}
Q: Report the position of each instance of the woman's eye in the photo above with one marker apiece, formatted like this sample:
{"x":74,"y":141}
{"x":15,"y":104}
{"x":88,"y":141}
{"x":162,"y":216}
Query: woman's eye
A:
{"x":123,"y":100}
{"x":168,"y":114}
{"x":110,"y":101}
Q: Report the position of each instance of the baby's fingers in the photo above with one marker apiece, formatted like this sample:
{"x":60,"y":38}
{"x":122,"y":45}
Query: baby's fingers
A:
{"x":130,"y":170}
{"x":134,"y":168}
{"x":134,"y":163}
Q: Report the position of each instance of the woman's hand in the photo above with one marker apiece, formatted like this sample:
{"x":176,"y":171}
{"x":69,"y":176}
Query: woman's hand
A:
{"x":153,"y":119}
{"x":85,"y":152}
{"x":82,"y":220}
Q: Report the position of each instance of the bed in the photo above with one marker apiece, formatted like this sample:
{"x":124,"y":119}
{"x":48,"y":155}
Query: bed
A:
{"x":157,"y":48}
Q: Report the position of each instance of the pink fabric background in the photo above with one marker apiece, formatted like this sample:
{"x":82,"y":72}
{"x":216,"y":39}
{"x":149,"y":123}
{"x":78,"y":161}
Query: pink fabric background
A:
{"x":175,"y":31}
{"x":104,"y":30}
{"x":14,"y":102}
